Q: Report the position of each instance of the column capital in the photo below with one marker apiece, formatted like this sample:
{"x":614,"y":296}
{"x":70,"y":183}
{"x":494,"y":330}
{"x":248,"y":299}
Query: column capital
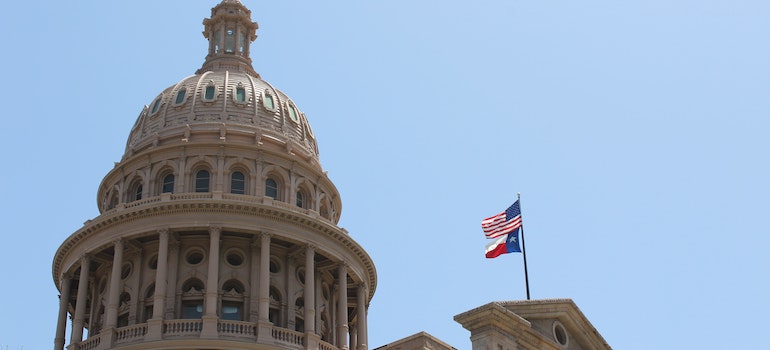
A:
{"x":85,"y":258}
{"x":310,"y":247}
{"x":163,"y":231}
{"x":215,"y":229}
{"x":118,"y":242}
{"x":265,"y":235}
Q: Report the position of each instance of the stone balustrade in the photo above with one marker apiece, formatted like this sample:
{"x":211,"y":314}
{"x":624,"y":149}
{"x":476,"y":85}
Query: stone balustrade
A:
{"x":191,"y":328}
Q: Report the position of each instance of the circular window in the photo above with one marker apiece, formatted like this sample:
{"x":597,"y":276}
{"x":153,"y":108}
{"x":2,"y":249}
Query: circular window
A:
{"x":560,"y":334}
{"x":301,"y":275}
{"x":125,"y":271}
{"x":234,"y":258}
{"x":194,"y":257}
{"x":274,"y":266}
{"x":153,"y":264}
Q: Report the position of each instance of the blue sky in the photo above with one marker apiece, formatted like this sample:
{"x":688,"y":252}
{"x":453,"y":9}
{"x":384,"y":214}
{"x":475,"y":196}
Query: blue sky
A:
{"x":636,"y":132}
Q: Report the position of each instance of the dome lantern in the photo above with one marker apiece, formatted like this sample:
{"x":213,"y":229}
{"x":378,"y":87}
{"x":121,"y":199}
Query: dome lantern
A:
{"x":230,"y":32}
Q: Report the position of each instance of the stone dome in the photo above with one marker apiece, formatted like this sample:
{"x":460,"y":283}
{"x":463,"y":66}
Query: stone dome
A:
{"x":226,"y":97}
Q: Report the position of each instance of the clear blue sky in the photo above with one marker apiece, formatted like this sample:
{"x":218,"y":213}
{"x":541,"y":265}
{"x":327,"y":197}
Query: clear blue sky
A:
{"x":636,"y":131}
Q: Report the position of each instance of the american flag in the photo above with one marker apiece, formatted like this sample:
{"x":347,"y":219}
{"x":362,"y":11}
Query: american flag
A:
{"x":503,"y":223}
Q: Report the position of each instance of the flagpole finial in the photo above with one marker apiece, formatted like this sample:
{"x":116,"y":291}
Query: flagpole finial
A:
{"x":518,"y":195}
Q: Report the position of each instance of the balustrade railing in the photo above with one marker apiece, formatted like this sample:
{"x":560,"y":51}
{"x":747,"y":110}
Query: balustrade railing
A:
{"x":90,"y":343}
{"x":237,"y":328}
{"x":182,"y":327}
{"x":127,"y":334}
{"x":288,"y":336}
{"x":322,"y":345}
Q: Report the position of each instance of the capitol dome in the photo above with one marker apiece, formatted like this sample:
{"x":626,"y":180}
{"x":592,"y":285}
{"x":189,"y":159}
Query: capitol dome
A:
{"x":218,"y":226}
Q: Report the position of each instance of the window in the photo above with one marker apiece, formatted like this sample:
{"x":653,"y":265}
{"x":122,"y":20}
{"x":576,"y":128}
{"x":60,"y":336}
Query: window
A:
{"x":217,"y":37}
{"x":180,"y":96}
{"x":232,"y":301}
{"x":202,"y":178}
{"x":300,"y":199}
{"x":230,"y":41}
{"x":268,"y":101}
{"x":271,"y":188}
{"x":231,"y":310}
{"x":155,"y":105}
{"x":168,"y":184}
{"x":293,"y":113}
{"x":240,"y":94}
{"x":138,"y":192}
{"x":209,"y":94}
{"x":192,"y":299}
{"x":148,"y":302}
{"x":192,"y":309}
{"x":274,"y":314}
{"x":237,"y":183}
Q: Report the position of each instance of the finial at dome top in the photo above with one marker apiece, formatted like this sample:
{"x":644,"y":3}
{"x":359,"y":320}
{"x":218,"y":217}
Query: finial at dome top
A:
{"x":230,"y":32}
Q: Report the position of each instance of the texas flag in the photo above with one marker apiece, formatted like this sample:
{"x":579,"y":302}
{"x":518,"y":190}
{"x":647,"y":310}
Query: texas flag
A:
{"x":504,"y":245}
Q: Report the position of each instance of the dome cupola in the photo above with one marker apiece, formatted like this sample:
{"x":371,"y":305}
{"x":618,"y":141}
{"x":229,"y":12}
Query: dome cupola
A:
{"x":229,"y":31}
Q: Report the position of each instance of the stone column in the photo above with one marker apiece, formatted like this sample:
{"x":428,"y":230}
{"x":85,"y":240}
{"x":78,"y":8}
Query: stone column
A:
{"x":361,"y":315}
{"x":254,"y":282}
{"x":309,"y":289}
{"x":155,"y":324}
{"x":210,"y":317}
{"x":173,"y":266}
{"x":264,"y":327}
{"x":61,"y":325}
{"x":161,"y":273}
{"x":353,"y":335}
{"x":212,"y":282}
{"x":342,"y":306}
{"x":80,"y":306}
{"x":264,"y":278}
{"x":114,"y":296}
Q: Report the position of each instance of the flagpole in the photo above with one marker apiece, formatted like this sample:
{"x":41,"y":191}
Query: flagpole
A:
{"x":524,"y":250}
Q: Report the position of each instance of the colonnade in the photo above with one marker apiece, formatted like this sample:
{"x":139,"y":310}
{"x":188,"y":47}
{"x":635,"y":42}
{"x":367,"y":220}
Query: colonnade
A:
{"x":357,"y":335}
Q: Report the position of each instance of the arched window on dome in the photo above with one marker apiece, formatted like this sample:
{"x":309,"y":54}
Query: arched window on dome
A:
{"x":148,"y":302}
{"x":167,"y":185}
{"x":271,"y":188}
{"x":267,"y":101}
{"x":210,"y":92}
{"x":155,"y":106}
{"x":202,"y":181}
{"x":192,"y":299}
{"x":232,"y":300}
{"x":274,"y":315}
{"x":300,"y":199}
{"x":135,"y":190}
{"x":237,"y":183}
{"x":180,"y":96}
{"x":293,"y":114}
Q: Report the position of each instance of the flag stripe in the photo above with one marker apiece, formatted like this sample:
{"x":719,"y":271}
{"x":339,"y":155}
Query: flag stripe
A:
{"x":504,"y":228}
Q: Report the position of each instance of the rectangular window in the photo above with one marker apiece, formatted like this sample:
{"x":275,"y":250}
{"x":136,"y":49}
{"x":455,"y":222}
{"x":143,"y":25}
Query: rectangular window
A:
{"x":192,"y":309}
{"x":240,"y":94}
{"x":231,"y":311}
{"x":209,"y":93}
